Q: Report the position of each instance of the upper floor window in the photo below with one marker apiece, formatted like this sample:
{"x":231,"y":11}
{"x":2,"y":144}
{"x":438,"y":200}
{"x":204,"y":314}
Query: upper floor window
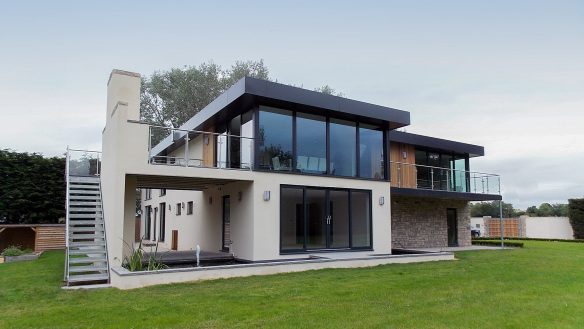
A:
{"x":147,"y":194}
{"x":162,"y":192}
{"x":275,"y":139}
{"x":311,"y":143}
{"x":178,"y":209}
{"x":315,"y":144}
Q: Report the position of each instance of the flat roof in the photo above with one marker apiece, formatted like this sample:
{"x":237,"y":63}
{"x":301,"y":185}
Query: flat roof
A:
{"x":248,"y":90}
{"x":436,"y":143}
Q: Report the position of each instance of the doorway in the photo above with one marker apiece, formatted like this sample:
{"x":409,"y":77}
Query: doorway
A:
{"x":452,"y":223}
{"x":314,"y":218}
{"x":226,"y":236}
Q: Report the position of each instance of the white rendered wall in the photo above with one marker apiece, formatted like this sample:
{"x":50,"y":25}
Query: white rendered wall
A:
{"x":549,"y":228}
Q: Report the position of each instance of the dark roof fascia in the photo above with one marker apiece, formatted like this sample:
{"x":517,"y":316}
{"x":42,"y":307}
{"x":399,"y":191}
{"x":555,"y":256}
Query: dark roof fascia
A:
{"x":436,"y":143}
{"x":423,"y":193}
{"x":289,"y":94}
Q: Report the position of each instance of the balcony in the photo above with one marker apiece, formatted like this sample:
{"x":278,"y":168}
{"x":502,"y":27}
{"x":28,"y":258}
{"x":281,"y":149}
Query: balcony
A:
{"x":200,"y":149}
{"x":419,"y":180}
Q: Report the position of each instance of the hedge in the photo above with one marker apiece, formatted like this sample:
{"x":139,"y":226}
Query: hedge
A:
{"x":576,"y":215}
{"x":497,"y":243}
{"x":529,"y":239}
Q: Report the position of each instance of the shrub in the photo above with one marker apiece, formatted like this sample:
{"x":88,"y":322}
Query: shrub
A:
{"x":529,"y":239}
{"x":576,"y":215}
{"x":15,"y":251}
{"x":135,"y":261}
{"x":495,"y":243}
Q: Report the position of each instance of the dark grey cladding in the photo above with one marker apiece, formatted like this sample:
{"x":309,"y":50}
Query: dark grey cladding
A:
{"x":436,"y":143}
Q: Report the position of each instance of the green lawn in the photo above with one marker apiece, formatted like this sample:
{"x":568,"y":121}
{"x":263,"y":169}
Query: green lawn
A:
{"x":540,"y":286}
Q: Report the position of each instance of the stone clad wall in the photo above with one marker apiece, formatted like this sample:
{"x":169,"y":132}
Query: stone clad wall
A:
{"x":421,"y":222}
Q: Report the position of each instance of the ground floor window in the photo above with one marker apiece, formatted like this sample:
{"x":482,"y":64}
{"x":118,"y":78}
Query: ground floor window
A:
{"x":313,"y":218}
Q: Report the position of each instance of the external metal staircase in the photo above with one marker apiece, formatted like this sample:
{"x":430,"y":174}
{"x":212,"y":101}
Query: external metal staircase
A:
{"x":86,"y":254}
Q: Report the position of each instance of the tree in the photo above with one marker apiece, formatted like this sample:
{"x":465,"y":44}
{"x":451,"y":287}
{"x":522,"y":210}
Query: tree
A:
{"x":547,"y":210}
{"x":32,"y":188}
{"x":576,"y":214}
{"x":170,"y":98}
{"x":481,"y":209}
{"x":326,"y":89}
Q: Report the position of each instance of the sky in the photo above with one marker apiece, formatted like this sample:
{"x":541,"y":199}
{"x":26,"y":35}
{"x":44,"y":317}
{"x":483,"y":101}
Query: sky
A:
{"x":507,"y":75}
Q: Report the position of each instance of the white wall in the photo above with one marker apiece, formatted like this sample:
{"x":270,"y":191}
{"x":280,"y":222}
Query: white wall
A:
{"x":549,"y":228}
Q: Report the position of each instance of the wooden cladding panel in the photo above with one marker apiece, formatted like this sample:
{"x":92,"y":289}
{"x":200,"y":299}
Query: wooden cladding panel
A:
{"x":50,"y":238}
{"x":405,"y":176}
{"x":209,"y":149}
{"x":174,"y":241}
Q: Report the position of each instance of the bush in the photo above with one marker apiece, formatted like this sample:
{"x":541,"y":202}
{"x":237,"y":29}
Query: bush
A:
{"x":576,"y":215}
{"x":15,"y":251}
{"x":495,"y":243}
{"x":529,"y":239}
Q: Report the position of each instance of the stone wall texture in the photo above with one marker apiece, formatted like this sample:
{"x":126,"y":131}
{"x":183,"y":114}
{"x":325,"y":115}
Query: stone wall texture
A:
{"x":421,"y":222}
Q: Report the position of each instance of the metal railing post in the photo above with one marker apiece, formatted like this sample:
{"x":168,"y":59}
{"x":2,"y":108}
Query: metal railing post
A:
{"x":501,"y":223}
{"x":487,"y":184}
{"x":432,"y":177}
{"x":149,"y":144}
{"x":187,"y":150}
{"x":398,"y":175}
{"x":447,"y":181}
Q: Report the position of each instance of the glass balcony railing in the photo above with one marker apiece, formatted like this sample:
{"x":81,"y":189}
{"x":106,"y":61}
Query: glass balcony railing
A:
{"x":191,"y":148}
{"x":407,"y":175}
{"x":83,"y":162}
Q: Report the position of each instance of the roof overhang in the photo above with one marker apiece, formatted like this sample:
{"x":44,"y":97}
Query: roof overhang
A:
{"x":249,"y":91}
{"x":437,"y":143}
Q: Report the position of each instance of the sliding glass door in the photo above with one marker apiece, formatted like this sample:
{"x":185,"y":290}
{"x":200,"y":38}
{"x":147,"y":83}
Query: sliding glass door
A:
{"x":314,"y":218}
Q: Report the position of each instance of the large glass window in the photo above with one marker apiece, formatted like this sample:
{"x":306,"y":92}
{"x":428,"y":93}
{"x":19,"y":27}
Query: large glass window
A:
{"x":460,"y":175}
{"x":360,"y":218}
{"x":292,"y":219}
{"x":275,"y":139}
{"x":310,"y":143}
{"x":343,"y":148}
{"x":370,"y":152}
{"x":246,"y":142}
{"x":324,"y":218}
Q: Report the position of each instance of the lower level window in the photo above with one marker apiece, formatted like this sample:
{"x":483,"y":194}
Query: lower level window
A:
{"x":322,"y":218}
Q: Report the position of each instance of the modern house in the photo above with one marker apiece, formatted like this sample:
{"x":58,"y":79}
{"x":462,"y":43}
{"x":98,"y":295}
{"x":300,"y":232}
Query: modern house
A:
{"x":282,"y":179}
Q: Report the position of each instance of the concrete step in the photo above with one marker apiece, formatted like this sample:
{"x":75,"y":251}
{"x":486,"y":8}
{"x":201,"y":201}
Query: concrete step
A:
{"x":87,"y":277}
{"x":90,"y":268}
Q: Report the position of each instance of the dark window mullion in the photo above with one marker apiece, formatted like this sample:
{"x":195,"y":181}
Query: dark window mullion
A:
{"x":358,"y":153}
{"x":328,"y":146}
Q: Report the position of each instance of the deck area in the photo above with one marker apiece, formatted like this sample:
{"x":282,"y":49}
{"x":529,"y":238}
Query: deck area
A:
{"x":176,"y":257}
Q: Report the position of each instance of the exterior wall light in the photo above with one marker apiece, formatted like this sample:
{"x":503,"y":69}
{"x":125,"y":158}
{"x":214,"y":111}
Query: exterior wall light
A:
{"x":239,"y":195}
{"x":182,"y":205}
{"x":169,"y":207}
{"x":210,"y":200}
{"x":381,"y":200}
{"x":266,"y":195}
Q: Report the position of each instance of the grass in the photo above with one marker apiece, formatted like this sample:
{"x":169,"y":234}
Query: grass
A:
{"x":538,"y":286}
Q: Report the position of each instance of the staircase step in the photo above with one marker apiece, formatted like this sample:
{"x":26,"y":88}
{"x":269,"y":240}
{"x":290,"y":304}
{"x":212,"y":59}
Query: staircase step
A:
{"x":88,"y":277}
{"x":83,"y":260}
{"x":85,"y":216}
{"x":84,"y":197}
{"x":77,"y":236}
{"x":87,"y":252}
{"x":93,"y":186}
{"x":83,"y":179}
{"x":88,"y":192}
{"x":75,"y":221}
{"x":85,"y":203}
{"x":81,"y":209}
{"x":90,"y":268}
{"x":80,"y":229}
{"x":87,"y":244}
